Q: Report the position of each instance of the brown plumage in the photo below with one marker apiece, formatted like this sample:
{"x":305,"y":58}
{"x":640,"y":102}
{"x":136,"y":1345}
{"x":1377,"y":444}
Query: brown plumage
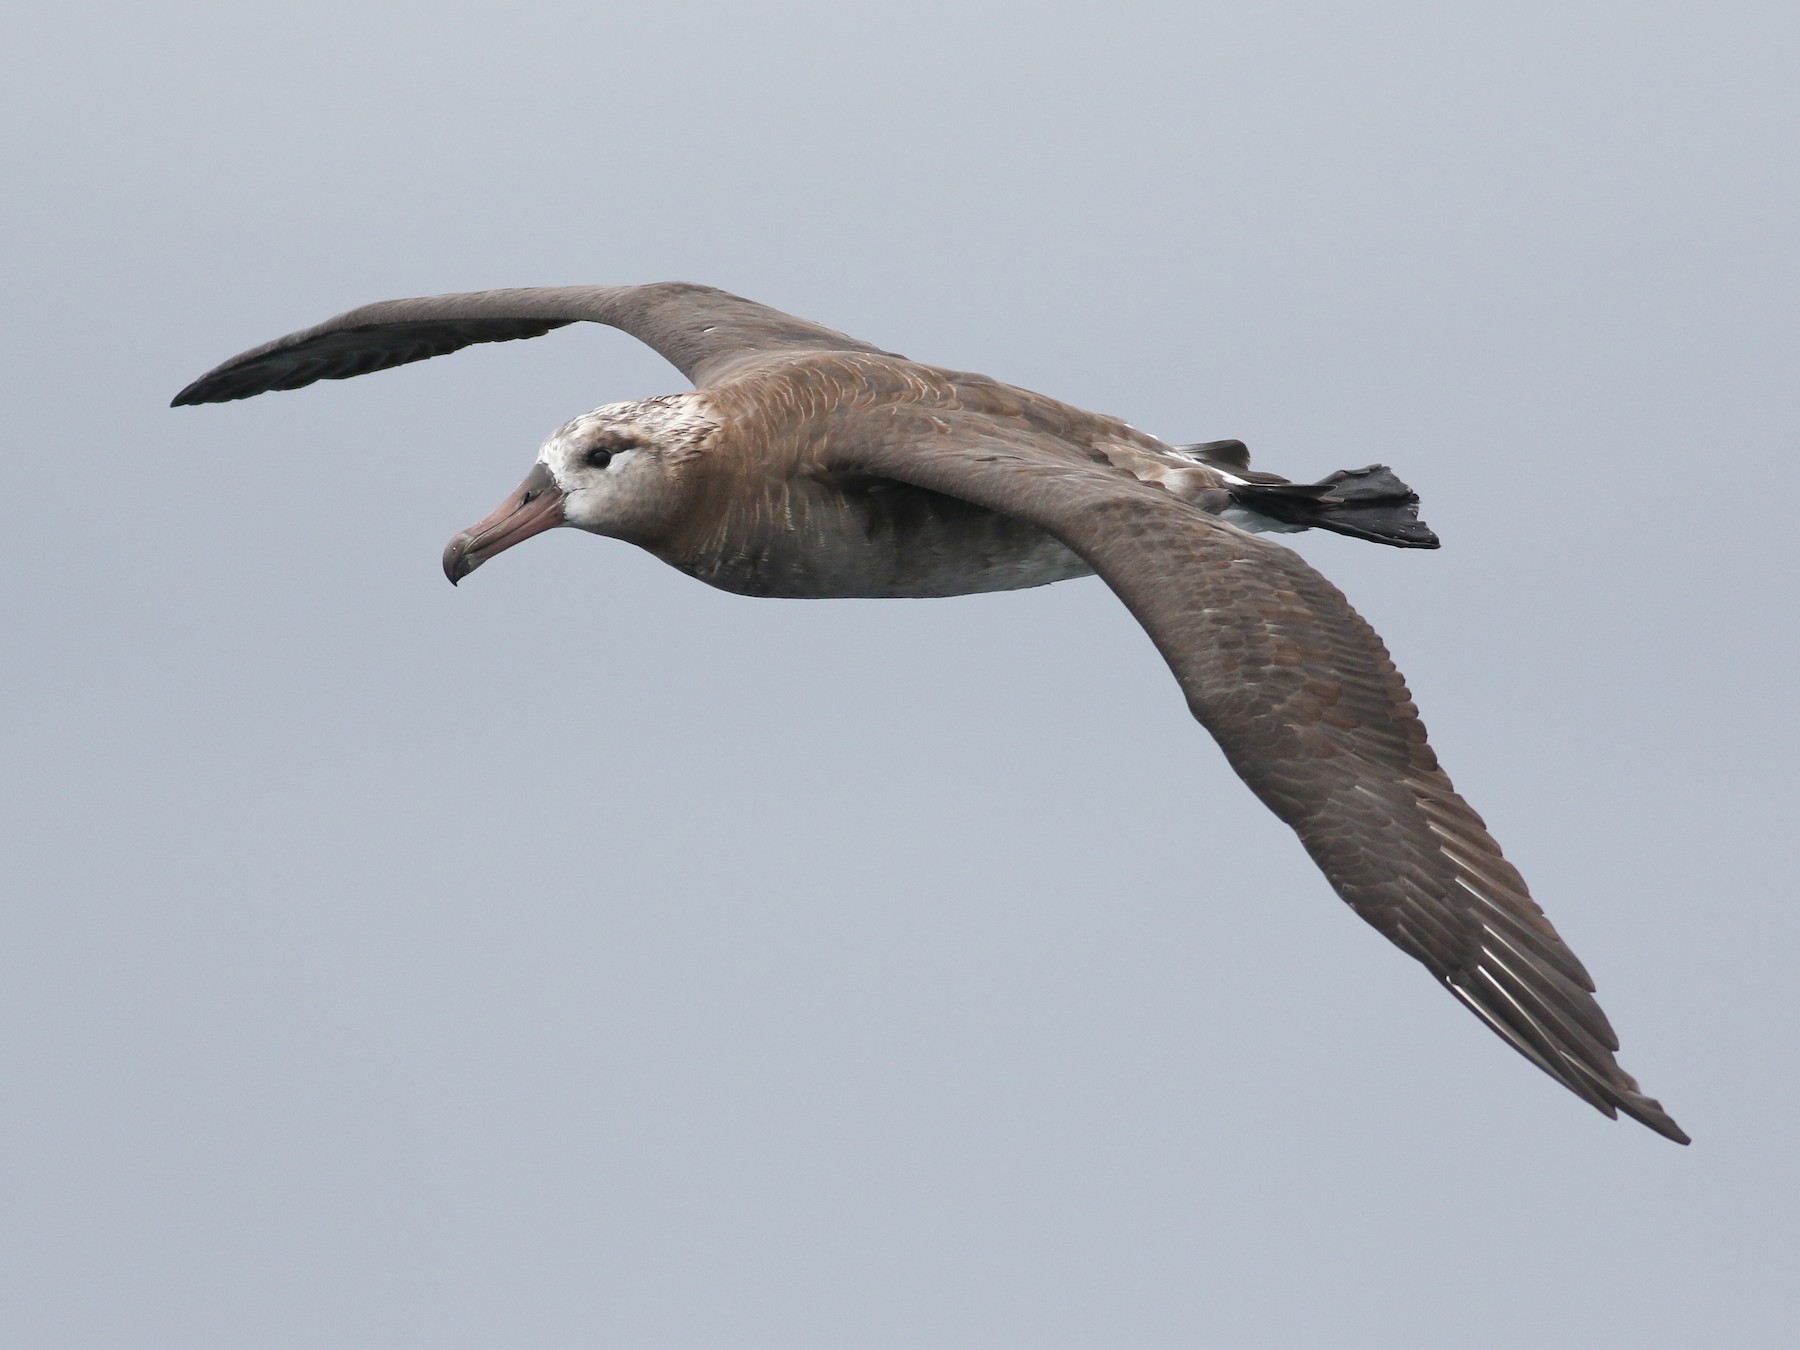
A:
{"x":811,"y":464}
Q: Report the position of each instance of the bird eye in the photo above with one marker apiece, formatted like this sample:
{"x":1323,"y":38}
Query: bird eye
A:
{"x":598,"y":458}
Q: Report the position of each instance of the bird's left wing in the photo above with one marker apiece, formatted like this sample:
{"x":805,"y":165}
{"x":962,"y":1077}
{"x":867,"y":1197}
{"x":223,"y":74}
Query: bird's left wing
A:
{"x":705,"y":333}
{"x":1301,"y":695}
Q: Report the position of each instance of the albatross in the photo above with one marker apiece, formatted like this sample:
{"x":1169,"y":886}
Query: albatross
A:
{"x":809,"y":464}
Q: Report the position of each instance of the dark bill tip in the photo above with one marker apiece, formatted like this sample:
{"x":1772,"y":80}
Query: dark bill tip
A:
{"x":457,"y":563}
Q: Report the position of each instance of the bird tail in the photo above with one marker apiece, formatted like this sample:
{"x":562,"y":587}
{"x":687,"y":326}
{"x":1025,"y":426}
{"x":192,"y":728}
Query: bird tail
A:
{"x":1370,"y":503}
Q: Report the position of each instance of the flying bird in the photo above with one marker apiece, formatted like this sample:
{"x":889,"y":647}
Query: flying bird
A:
{"x":809,"y":464}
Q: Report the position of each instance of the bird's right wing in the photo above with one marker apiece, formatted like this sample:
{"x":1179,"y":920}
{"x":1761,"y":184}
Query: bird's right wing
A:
{"x":1301,"y":695}
{"x":703,"y":332}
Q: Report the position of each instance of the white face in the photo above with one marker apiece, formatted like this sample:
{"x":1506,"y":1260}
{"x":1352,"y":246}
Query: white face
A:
{"x":619,"y":466}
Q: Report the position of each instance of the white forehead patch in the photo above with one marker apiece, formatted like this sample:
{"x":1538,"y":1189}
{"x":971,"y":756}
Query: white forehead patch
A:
{"x":673,"y":422}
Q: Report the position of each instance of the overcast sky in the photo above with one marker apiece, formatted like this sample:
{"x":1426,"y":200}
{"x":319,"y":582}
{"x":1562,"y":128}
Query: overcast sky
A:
{"x":583,"y":957}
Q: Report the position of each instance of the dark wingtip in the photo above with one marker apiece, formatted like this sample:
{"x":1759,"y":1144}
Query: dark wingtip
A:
{"x":195,"y":393}
{"x":1649,"y":1113}
{"x":1623,"y":1092}
{"x":1420,"y":535}
{"x":1620,"y":1092}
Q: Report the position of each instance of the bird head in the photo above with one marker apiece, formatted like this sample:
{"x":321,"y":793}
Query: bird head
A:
{"x":618,"y":470}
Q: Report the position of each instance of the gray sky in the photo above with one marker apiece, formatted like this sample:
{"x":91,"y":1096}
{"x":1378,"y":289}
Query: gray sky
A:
{"x":583,"y":957}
